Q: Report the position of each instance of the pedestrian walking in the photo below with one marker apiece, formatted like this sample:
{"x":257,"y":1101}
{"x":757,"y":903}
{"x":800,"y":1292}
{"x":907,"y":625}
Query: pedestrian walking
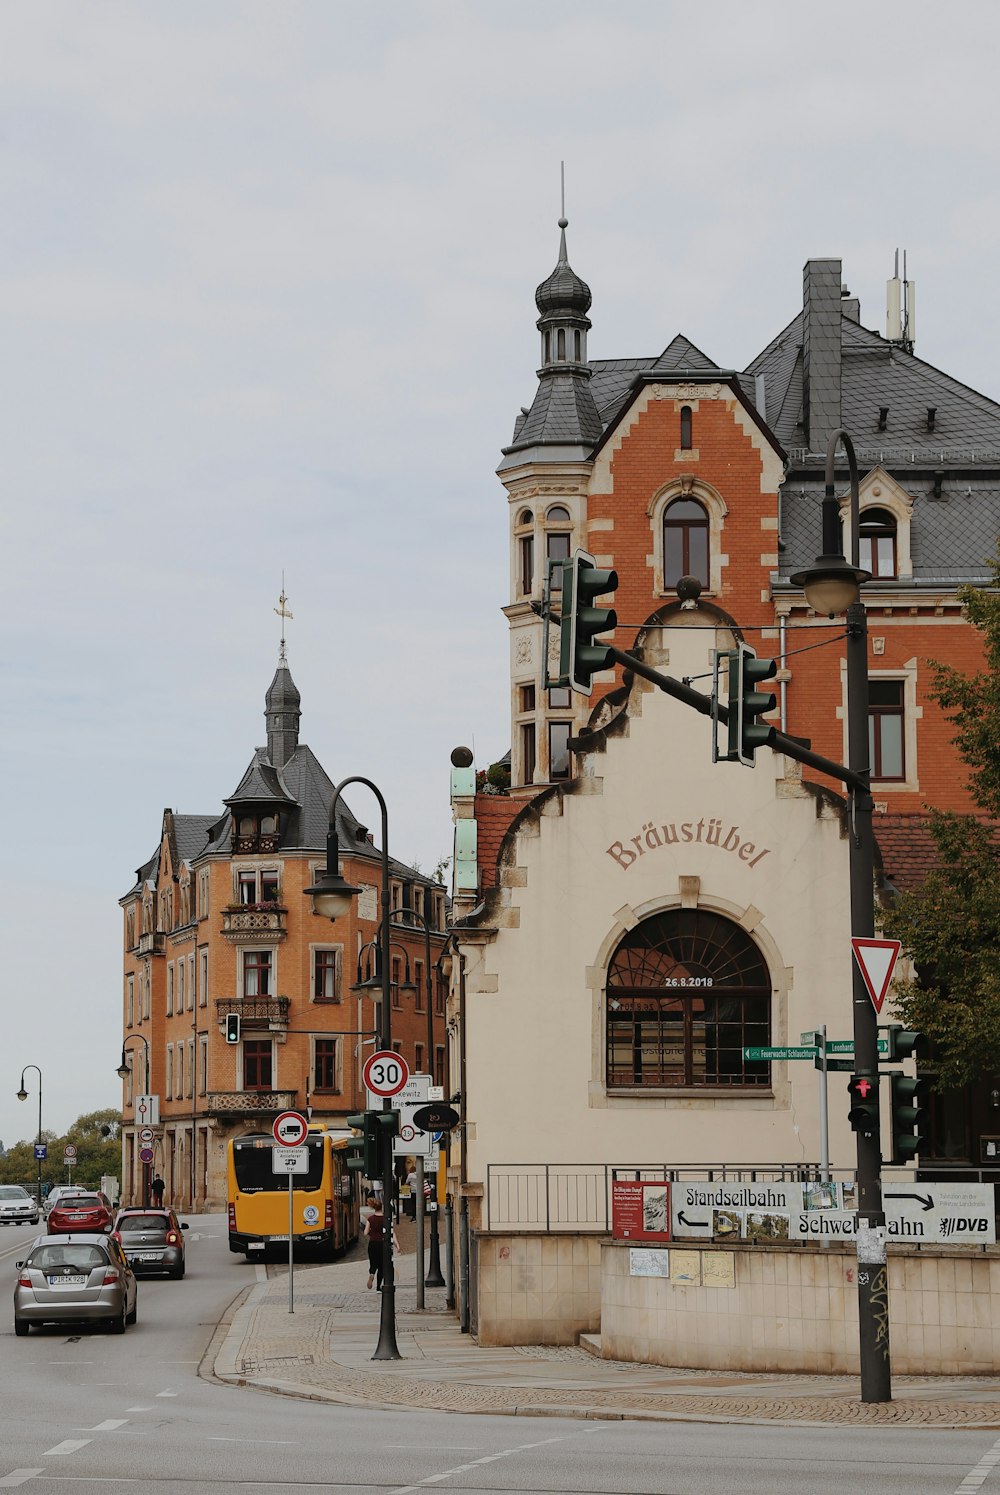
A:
{"x":374,"y":1232}
{"x":156,"y":1190}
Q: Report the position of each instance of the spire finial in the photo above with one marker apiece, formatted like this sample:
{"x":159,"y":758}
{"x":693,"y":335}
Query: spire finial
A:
{"x":283,"y":613}
{"x":563,"y":220}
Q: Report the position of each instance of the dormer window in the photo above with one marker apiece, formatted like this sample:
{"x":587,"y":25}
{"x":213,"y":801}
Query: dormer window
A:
{"x":877,"y":543}
{"x":253,"y":833}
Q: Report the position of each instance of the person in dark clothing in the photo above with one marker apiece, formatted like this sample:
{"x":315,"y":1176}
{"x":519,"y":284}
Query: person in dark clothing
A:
{"x":156,"y":1189}
{"x":375,"y":1235}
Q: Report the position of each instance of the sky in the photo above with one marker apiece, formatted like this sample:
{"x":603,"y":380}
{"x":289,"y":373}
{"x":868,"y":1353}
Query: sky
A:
{"x":266,"y":309}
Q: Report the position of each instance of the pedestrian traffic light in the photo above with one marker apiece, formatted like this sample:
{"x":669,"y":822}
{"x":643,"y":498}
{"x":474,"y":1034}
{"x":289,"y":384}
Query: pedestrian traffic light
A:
{"x":903,"y":1044}
{"x":579,"y":656}
{"x":232,"y":1027}
{"x":747,"y":703}
{"x":863,"y":1114}
{"x":909,"y":1117}
{"x":362,"y":1151}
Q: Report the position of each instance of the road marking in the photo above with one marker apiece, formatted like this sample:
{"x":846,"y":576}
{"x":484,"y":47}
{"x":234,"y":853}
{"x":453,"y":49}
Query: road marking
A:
{"x":975,"y":1477}
{"x":217,"y":1438}
{"x":107,"y":1426}
{"x":68,"y":1445}
{"x":138,"y":1409}
{"x":19,"y":1476}
{"x":491,"y":1458}
{"x":166,"y":1393}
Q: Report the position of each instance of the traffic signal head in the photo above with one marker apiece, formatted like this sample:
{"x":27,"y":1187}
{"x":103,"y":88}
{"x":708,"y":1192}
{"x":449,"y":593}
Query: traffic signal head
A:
{"x":905,"y":1045}
{"x":747,"y":703}
{"x":579,"y":656}
{"x":909,"y":1117}
{"x":863,"y":1114}
{"x":362,"y":1151}
{"x":232,"y":1027}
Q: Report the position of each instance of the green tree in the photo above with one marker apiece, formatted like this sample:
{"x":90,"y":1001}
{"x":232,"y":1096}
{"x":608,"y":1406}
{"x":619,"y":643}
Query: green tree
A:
{"x":98,"y":1152}
{"x":950,"y":926}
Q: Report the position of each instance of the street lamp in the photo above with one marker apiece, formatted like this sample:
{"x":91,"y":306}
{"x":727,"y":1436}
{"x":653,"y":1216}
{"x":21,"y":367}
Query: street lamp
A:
{"x":832,"y":586}
{"x":434,"y":1277}
{"x":22,"y":1094}
{"x":332,"y":898}
{"x":123,"y":1072}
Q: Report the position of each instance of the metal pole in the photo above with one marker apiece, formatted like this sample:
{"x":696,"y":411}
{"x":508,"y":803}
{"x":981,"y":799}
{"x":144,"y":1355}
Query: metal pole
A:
{"x":449,"y":1235}
{"x":291,"y":1222}
{"x":419,"y":1218}
{"x":387,"y":1348}
{"x":39,"y":1144}
{"x":824,"y":1109}
{"x":463,"y":1266}
{"x":873,"y":1291}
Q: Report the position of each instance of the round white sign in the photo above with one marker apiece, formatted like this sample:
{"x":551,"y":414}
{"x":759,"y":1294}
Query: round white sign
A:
{"x":146,"y":1134}
{"x":310,"y":1215}
{"x":385,"y":1073}
{"x":290,"y":1129}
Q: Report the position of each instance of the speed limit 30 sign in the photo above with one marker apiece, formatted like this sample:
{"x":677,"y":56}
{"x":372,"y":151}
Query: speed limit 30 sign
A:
{"x":385,"y":1073}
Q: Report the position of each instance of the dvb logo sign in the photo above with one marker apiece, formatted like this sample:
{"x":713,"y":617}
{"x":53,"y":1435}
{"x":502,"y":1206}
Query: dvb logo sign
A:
{"x":961,"y":1227}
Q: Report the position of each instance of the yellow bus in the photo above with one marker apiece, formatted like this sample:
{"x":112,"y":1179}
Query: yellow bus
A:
{"x":325,"y":1203}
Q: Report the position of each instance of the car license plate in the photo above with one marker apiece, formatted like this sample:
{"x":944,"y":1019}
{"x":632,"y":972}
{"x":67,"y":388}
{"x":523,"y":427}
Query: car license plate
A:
{"x":67,"y":1281}
{"x":277,"y":1238}
{"x":145,"y":1256}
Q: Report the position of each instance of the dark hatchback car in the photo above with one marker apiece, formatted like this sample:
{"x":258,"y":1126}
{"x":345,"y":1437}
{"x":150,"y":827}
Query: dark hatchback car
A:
{"x":88,"y":1213}
{"x":152,"y":1240}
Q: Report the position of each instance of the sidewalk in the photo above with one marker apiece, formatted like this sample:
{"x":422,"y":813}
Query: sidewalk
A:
{"x":323,"y":1352}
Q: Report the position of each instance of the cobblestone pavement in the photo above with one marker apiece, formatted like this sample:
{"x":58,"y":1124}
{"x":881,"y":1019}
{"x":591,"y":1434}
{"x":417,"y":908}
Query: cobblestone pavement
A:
{"x":323,"y":1352}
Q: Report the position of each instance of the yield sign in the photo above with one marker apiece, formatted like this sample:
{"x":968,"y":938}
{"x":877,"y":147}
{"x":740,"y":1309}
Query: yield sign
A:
{"x":876,"y":960}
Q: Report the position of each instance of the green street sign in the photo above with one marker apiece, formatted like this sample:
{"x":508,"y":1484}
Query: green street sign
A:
{"x":767,"y":1054}
{"x":846,"y":1046}
{"x":835,"y":1066}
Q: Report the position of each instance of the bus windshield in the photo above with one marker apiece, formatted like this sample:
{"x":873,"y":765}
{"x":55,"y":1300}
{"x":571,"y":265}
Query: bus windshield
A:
{"x":254,"y":1174}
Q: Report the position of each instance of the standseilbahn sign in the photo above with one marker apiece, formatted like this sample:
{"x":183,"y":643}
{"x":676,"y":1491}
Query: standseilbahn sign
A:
{"x":951,"y":1214}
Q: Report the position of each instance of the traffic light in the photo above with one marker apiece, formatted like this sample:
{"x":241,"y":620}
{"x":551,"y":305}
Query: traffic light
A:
{"x":579,"y":656}
{"x":232,"y":1027}
{"x":909,"y":1117}
{"x":362,"y":1151}
{"x":746,"y":703}
{"x":386,"y":1128}
{"x":863,"y":1114}
{"x":903,"y":1044}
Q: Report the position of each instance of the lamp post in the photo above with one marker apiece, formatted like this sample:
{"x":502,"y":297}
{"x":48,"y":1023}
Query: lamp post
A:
{"x":332,"y":897}
{"x":833,"y":586}
{"x":22,"y":1094}
{"x":434,"y":1277}
{"x":123,"y":1073}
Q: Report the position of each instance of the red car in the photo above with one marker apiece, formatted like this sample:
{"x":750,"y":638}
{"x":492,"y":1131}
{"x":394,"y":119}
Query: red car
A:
{"x":89,"y":1213}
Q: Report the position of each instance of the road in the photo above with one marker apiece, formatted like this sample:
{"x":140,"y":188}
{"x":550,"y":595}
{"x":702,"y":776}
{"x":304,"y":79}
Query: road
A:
{"x":89,"y":1412}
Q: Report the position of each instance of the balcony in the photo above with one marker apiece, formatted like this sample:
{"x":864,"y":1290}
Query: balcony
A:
{"x":270,"y":1012}
{"x":248,"y":923}
{"x":150,"y":944}
{"x":250,"y":1102}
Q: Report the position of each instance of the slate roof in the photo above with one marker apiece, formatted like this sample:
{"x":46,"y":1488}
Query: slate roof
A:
{"x":562,"y":413}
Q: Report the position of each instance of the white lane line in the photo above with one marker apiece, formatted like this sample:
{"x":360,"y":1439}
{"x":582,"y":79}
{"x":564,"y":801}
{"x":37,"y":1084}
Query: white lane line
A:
{"x":138,"y":1409}
{"x":68,"y":1445}
{"x":107,"y":1426}
{"x":73,"y":1362}
{"x":19,"y":1476}
{"x":975,"y":1477}
{"x":491,"y":1458}
{"x":217,"y":1438}
{"x":166,"y":1393}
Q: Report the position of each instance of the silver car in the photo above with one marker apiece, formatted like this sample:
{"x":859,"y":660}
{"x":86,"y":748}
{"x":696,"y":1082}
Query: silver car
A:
{"x":17,"y":1206}
{"x":81,"y":1279}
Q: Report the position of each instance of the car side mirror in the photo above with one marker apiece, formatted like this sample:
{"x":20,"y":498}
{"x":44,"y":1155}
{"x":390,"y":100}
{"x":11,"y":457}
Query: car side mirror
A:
{"x":19,"y":1265}
{"x":184,"y":1225}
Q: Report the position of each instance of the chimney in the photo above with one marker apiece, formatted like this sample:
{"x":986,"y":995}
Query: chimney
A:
{"x":821,"y":316}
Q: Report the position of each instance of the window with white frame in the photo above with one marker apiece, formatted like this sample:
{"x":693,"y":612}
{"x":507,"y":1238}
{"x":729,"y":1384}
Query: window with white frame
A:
{"x":180,"y":1071}
{"x":258,"y":973}
{"x":190,"y":983}
{"x":170,"y":988}
{"x":327,"y":962}
{"x":256,"y":885}
{"x":129,"y":1001}
{"x":326,"y":1064}
{"x":524,"y":537}
{"x":180,"y":984}
{"x":147,"y":992}
{"x":203,"y":876}
{"x":190,"y":1073}
{"x":203,"y":978}
{"x":202,"y":1063}
{"x":258,"y":1064}
{"x":558,"y":534}
{"x":168,"y":1087}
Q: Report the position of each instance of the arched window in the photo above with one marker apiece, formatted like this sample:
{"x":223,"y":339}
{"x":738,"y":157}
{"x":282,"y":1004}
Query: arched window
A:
{"x":557,"y":540}
{"x":877,"y":542}
{"x":561,"y":345}
{"x":685,"y":542}
{"x":686,"y":442}
{"x":577,"y":345}
{"x":525,"y":535}
{"x":687,"y":990}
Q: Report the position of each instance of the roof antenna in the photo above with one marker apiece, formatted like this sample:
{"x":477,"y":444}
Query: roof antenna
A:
{"x":562,"y":193}
{"x":283,"y":613}
{"x":901,"y":309}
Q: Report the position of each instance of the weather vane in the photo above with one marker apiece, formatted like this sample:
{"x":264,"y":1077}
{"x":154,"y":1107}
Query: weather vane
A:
{"x":283,"y":613}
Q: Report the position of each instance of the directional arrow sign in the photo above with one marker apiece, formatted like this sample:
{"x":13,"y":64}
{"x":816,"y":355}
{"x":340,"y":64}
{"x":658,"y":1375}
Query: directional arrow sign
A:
{"x":793,"y":1053}
{"x":876,"y":960}
{"x":926,"y":1200}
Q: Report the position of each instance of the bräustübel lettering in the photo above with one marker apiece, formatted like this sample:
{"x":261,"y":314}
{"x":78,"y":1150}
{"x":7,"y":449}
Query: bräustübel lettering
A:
{"x":694,"y":833}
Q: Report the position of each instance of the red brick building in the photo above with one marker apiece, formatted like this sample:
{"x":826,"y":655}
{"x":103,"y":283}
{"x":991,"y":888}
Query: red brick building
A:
{"x":673,"y":465}
{"x":217,"y":922}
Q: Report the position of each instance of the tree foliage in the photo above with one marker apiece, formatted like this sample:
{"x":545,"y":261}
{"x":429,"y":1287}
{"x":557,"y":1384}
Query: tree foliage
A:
{"x":950,"y":926}
{"x":98,"y":1152}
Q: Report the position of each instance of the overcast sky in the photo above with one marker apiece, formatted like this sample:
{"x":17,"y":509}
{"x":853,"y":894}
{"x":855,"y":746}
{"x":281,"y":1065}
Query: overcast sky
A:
{"x":267,"y":305}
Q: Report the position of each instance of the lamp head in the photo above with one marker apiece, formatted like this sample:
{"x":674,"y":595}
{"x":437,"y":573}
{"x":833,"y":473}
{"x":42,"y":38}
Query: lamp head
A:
{"x":831,"y":584}
{"x":22,"y":1094}
{"x":332,"y":895}
{"x":123,"y":1071}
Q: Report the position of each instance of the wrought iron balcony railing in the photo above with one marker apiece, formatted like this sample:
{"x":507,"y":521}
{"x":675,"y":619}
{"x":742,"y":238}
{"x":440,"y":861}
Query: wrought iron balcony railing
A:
{"x":244,"y":1102}
{"x":253,"y":1010}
